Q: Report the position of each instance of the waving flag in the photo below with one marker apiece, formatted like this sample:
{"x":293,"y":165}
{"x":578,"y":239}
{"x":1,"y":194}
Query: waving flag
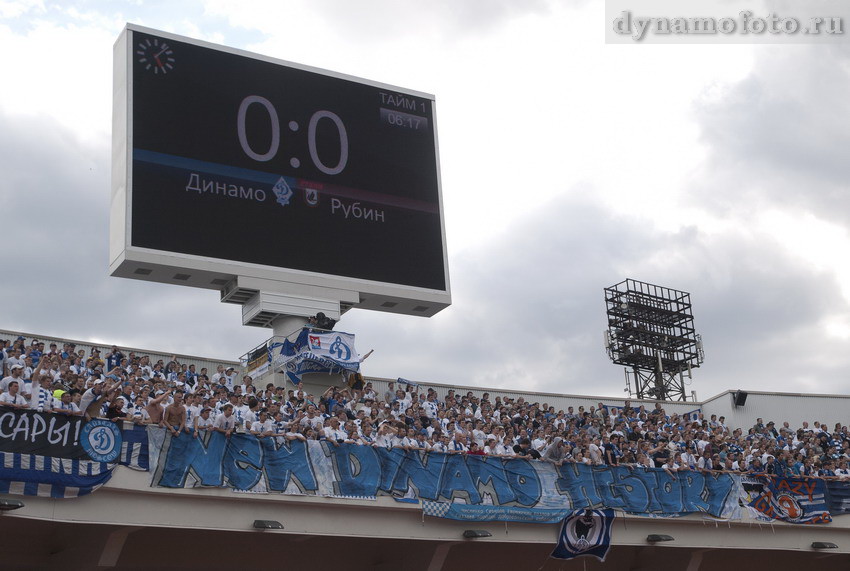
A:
{"x":585,"y":532}
{"x":314,"y":352}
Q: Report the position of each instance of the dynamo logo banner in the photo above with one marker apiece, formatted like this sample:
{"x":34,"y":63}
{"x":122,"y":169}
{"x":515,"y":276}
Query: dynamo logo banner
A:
{"x":585,"y":532}
{"x":315,"y":352}
{"x":337,"y":346}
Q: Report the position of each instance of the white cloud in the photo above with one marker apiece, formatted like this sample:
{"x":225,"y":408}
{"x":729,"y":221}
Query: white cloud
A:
{"x":10,"y":9}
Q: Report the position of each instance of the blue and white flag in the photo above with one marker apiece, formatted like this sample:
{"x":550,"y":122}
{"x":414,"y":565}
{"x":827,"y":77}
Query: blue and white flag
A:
{"x":134,"y":448}
{"x":585,"y":532}
{"x":838,"y":496}
{"x":314,"y":352}
{"x":795,"y":500}
{"x":410,"y":384}
{"x":336,"y":345}
{"x":293,"y":378}
{"x":468,"y":512}
{"x":33,"y":475}
{"x":692,"y":416}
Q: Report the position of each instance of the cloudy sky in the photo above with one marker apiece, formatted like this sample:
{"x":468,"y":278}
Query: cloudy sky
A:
{"x":568,"y":165}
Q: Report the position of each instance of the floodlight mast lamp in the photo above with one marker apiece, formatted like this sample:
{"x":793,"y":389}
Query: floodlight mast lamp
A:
{"x":651,"y":331}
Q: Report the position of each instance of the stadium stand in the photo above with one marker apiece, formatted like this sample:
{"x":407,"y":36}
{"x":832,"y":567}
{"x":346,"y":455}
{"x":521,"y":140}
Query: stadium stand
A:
{"x":170,"y":406}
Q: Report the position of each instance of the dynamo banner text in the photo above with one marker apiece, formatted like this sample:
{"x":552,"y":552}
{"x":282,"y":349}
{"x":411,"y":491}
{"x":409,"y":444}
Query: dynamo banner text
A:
{"x":273,"y":465}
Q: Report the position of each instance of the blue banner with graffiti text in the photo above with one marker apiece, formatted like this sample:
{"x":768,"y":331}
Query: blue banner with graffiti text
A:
{"x":274,"y":465}
{"x":795,"y":500}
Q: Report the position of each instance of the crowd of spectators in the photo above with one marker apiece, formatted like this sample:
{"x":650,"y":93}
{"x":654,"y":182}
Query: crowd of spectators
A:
{"x":176,"y":396}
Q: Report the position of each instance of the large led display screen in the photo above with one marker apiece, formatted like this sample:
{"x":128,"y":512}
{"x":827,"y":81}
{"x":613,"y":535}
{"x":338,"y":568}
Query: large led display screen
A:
{"x":236,"y":157}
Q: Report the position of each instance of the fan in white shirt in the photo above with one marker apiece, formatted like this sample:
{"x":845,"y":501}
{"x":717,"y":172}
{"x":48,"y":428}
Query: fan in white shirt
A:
{"x":12,"y":397}
{"x":263,"y":426}
{"x":203,"y":422}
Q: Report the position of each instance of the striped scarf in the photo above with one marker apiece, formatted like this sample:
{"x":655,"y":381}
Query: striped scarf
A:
{"x":43,"y":398}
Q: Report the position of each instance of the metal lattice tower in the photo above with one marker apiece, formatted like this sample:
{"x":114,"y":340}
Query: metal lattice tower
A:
{"x":651,"y":331}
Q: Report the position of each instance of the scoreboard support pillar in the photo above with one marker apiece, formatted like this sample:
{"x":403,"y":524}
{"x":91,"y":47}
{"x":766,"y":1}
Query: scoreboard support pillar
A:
{"x":284,"y":325}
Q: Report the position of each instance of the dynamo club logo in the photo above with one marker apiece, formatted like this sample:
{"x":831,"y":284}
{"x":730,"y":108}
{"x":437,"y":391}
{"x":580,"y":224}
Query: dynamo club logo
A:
{"x":101,"y":440}
{"x":585,"y":532}
{"x":340,"y":350}
{"x":282,"y":191}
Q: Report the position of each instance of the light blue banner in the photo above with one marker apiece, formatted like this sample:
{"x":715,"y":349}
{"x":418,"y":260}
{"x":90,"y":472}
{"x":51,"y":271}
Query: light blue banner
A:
{"x":274,"y":465}
{"x":466,"y":512}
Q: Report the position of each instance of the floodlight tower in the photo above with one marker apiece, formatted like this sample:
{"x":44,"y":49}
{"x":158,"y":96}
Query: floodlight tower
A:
{"x":651,"y":330}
